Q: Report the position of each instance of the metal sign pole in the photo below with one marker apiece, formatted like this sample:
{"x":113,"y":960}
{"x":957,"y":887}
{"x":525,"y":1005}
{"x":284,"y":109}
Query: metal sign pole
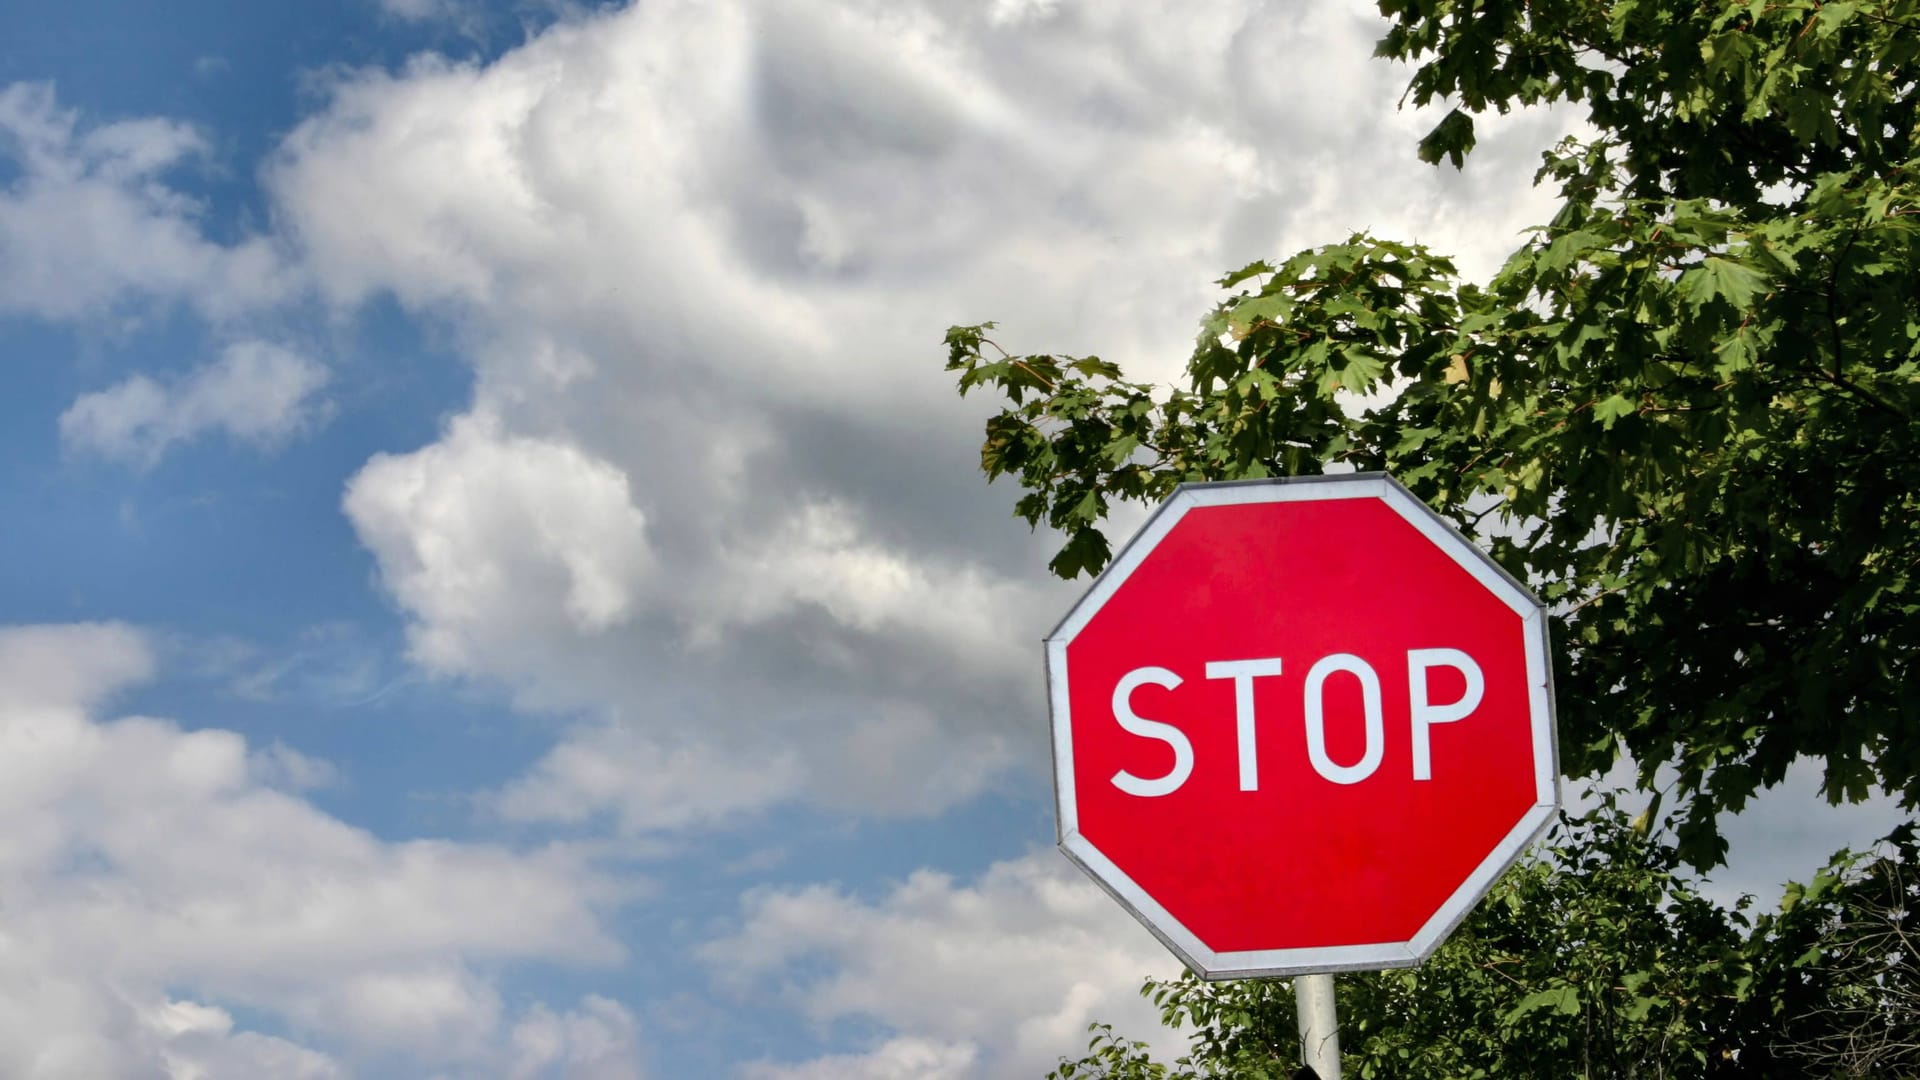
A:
{"x":1319,"y":1026}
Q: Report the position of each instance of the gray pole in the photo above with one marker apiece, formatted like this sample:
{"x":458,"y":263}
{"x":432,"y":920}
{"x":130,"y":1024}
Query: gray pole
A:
{"x":1319,"y":1027}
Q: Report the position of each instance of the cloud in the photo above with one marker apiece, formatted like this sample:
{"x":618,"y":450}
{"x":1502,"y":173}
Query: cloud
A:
{"x":157,"y":882}
{"x":824,"y":558}
{"x":72,"y":666}
{"x":57,"y":1026}
{"x":712,"y":487}
{"x":1783,"y":833}
{"x":90,"y":225}
{"x":998,"y":977}
{"x":487,"y":536}
{"x":256,"y":392}
{"x":334,"y":664}
{"x":645,"y":785}
{"x":200,"y":1043}
{"x":597,"y":1041}
{"x":526,"y":559}
{"x":1787,"y":831}
{"x":416,"y":10}
{"x":712,"y":490}
{"x":690,"y":250}
{"x":895,"y":1059}
{"x":1001,"y":975}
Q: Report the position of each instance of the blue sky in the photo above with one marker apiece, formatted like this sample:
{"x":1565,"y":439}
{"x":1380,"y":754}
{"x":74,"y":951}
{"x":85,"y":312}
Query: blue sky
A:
{"x":494,"y":579}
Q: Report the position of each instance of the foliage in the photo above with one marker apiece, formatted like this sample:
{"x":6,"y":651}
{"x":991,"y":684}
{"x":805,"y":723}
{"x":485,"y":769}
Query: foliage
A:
{"x":1596,"y":958}
{"x":1856,"y":930}
{"x":1684,"y":410}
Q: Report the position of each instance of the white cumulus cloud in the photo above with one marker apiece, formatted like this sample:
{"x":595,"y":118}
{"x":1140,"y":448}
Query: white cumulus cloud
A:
{"x":489,"y":537}
{"x":646,"y":785}
{"x":256,"y":392}
{"x":997,"y":977}
{"x":904,"y":1058}
{"x":599,"y":1040}
{"x":90,"y":223}
{"x":713,"y":486}
{"x":155,"y":885}
{"x":200,"y":1043}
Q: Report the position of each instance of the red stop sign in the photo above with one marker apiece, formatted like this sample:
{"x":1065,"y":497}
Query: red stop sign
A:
{"x":1301,"y":726}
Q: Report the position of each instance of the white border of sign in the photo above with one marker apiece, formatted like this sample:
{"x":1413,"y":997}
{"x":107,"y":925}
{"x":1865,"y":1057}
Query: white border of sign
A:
{"x":1206,"y":962}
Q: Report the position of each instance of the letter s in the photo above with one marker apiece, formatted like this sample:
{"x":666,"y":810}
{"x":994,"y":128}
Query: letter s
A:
{"x":1151,"y":729}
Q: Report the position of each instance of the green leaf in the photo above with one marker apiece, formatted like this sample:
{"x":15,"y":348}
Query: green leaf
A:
{"x":1085,"y":552}
{"x":1568,"y":249}
{"x":1245,"y":273}
{"x":1094,"y":366}
{"x":1243,"y":317}
{"x":1561,"y":1000}
{"x":1736,"y":353}
{"x":1360,"y":372}
{"x":1610,"y":410}
{"x":1452,"y":138}
{"x":1716,"y":278}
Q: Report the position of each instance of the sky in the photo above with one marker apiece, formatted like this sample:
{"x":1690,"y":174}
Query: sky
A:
{"x":494,"y":581}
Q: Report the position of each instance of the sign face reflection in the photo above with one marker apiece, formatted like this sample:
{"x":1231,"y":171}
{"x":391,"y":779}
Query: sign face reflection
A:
{"x":1301,"y":726}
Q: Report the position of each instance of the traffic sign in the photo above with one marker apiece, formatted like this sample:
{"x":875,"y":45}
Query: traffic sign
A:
{"x":1301,"y":726}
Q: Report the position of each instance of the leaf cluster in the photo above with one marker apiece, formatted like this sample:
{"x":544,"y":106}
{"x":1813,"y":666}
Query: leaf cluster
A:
{"x":1597,"y":958}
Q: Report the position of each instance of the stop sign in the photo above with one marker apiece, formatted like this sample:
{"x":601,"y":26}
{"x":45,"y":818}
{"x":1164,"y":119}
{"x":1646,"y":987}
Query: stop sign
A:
{"x":1301,"y":725}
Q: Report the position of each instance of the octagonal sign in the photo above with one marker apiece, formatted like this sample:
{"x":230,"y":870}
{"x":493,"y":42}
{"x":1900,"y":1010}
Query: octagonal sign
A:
{"x":1301,"y":725}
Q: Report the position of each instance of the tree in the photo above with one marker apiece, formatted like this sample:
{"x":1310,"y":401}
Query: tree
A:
{"x":1598,"y":958}
{"x":1684,"y":410}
